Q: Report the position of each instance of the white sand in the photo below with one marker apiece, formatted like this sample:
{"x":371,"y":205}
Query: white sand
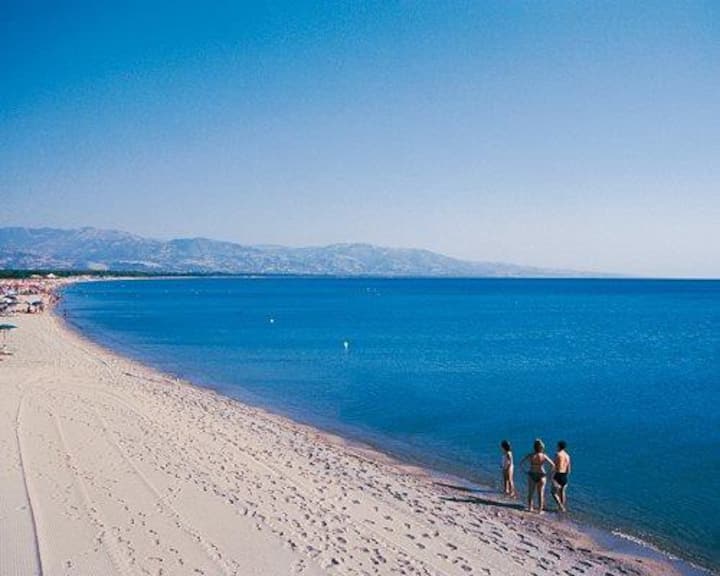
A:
{"x":107,"y":467}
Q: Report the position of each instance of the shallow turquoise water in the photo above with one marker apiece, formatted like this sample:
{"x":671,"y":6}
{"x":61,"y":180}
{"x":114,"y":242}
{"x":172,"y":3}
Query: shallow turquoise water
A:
{"x":439,"y":371}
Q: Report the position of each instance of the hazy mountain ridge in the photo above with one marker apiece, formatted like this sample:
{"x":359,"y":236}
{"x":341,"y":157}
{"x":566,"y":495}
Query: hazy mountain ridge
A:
{"x":91,"y":248}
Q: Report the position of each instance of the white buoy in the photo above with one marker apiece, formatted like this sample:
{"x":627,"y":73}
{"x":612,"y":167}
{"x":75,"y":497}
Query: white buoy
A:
{"x":346,"y":345}
{"x":272,"y":320}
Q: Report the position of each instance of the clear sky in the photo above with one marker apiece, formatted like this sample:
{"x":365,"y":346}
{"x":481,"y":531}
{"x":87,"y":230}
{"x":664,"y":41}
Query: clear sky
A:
{"x":567,"y":134}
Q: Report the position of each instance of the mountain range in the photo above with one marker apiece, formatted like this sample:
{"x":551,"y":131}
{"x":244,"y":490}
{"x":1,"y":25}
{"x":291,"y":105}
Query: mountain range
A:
{"x":112,"y":250}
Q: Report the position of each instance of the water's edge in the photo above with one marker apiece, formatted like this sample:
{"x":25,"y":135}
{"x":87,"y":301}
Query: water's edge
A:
{"x":604,"y":536}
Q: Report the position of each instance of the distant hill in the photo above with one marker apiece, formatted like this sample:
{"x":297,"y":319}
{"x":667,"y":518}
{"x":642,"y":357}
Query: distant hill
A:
{"x":93,"y":249}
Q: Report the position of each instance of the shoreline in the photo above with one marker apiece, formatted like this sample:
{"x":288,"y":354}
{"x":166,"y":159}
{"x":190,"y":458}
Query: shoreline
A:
{"x":625,"y":545}
{"x":364,"y":481}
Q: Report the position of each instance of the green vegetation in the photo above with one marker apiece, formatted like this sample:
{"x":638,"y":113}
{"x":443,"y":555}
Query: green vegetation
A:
{"x":25,"y":274}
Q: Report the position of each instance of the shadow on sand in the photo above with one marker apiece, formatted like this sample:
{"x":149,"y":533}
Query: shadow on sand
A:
{"x":470,"y":497}
{"x":484,"y":501}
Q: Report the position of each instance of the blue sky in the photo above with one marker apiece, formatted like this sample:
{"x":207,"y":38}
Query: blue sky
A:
{"x":565,"y":134}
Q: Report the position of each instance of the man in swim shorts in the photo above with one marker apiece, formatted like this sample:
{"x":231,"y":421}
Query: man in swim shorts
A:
{"x":560,"y":478}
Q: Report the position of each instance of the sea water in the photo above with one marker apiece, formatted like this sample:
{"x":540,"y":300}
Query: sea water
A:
{"x":438,"y":371}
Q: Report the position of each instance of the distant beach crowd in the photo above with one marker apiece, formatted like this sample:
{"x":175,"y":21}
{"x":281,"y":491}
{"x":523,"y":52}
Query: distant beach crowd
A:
{"x":28,"y":295}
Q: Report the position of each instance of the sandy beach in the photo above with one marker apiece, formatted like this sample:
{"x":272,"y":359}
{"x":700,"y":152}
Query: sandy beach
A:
{"x":109,"y":467}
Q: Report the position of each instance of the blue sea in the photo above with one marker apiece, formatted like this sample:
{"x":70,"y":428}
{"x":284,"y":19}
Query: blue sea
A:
{"x":438,"y":371}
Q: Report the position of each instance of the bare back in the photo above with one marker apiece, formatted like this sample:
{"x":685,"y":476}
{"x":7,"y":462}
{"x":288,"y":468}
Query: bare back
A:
{"x":537,"y":462}
{"x":562,"y":462}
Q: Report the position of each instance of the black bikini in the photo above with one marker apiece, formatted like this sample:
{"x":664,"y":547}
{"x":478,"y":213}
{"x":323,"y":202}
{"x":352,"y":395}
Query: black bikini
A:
{"x":536,"y":476}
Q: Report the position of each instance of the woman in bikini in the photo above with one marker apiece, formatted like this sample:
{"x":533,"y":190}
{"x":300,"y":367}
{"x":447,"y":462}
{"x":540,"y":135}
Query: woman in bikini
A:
{"x":537,"y":477}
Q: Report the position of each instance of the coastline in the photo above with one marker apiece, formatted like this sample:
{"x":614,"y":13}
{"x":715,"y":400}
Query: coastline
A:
{"x":316,"y":503}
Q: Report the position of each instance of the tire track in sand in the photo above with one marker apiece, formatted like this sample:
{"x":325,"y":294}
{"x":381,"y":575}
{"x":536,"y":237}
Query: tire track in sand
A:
{"x":212,"y":552}
{"x":92,"y":512}
{"x":28,"y":492}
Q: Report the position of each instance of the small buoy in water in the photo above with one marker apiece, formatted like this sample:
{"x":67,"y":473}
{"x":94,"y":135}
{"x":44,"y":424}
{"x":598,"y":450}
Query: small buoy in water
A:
{"x":272,"y":320}
{"x":346,"y":345}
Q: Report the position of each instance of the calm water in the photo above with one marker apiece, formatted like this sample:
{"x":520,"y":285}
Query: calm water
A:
{"x":439,"y":371}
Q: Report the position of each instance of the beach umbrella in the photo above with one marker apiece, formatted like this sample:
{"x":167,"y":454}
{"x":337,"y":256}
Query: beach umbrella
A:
{"x":5,"y":328}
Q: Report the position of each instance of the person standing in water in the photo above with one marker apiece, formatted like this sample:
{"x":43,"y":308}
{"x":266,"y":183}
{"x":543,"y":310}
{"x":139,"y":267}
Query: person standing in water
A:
{"x":560,"y":478}
{"x":508,"y":469}
{"x":537,"y":477}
